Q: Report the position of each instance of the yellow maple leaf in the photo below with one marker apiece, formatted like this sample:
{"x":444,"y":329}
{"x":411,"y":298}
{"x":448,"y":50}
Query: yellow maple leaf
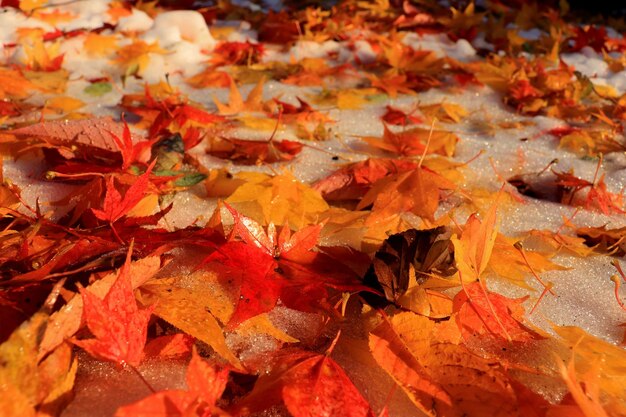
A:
{"x":14,"y":85}
{"x":50,"y":82}
{"x":30,"y":5}
{"x":39,"y":55}
{"x":63,"y":104}
{"x":189,"y":308}
{"x":344,"y":99}
{"x":444,"y":112}
{"x":605,"y":362}
{"x":472,"y":250}
{"x":236,"y":104}
{"x":53,"y":17}
{"x":96,"y":44}
{"x":278,"y":199}
{"x":134,"y":58}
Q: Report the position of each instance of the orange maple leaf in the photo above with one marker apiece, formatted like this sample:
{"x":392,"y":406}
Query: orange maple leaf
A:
{"x":417,"y":191}
{"x":482,"y":313}
{"x":119,"y":326}
{"x":416,"y":141}
{"x":236,"y":104}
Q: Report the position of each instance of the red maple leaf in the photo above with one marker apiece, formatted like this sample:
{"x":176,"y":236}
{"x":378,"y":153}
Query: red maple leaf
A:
{"x":132,"y":152}
{"x":353,"y":181}
{"x":310,"y":385}
{"x":237,"y":53}
{"x":397,"y":117}
{"x":205,"y":385}
{"x":254,"y":151}
{"x":266,"y":267}
{"x":115,"y":207}
{"x":592,"y":36}
{"x":119,"y":326}
{"x":484,"y":313}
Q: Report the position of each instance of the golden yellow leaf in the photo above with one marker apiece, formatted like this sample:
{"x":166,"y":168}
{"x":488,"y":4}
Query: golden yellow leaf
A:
{"x":440,"y":376}
{"x":30,"y":5}
{"x":38,"y":382}
{"x":54,"y":17}
{"x":14,"y":85}
{"x":50,"y":81}
{"x":344,"y":99}
{"x":96,"y":44}
{"x":63,"y":104}
{"x":134,"y":58}
{"x":258,"y":123}
{"x":261,"y":324}
{"x":146,"y":206}
{"x":187,"y":309}
{"x":508,"y":263}
{"x":278,"y":199}
{"x":444,"y":112}
{"x":585,"y":397}
{"x":591,"y":355}
{"x":472,"y":250}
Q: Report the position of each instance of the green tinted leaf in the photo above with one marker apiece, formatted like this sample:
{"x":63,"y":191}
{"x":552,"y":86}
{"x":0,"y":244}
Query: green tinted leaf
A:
{"x":98,"y":89}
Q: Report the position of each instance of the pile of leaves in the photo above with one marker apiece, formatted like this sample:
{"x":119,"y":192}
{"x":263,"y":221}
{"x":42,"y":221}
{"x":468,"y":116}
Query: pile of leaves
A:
{"x":370,"y":254}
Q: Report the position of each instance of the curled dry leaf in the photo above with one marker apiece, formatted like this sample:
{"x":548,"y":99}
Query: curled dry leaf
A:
{"x":604,"y":240}
{"x":406,"y":259}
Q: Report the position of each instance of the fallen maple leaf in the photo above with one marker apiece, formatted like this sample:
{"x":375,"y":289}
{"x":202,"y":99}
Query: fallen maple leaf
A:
{"x":132,"y":152}
{"x":174,"y":346}
{"x":397,"y":117}
{"x":482,"y":313}
{"x":254,"y":151}
{"x":603,"y":240}
{"x":444,"y":112}
{"x":354,"y":180}
{"x":115,"y":207}
{"x":472,"y":250}
{"x":39,"y":56}
{"x":88,"y":139}
{"x":14,"y":85}
{"x":266,"y":266}
{"x":278,"y":199}
{"x":135,"y":57}
{"x":415,"y":141}
{"x":119,"y":326}
{"x":440,"y":376}
{"x":603,"y":360}
{"x":310,"y":385}
{"x":205,"y":385}
{"x":237,"y":53}
{"x":31,"y":386}
{"x":189,"y":311}
{"x":405,"y":259}
{"x":236,"y":104}
{"x":416,"y":191}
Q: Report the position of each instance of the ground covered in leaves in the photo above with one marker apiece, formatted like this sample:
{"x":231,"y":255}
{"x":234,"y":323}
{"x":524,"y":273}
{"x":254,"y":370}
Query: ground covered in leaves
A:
{"x":375,"y":208}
